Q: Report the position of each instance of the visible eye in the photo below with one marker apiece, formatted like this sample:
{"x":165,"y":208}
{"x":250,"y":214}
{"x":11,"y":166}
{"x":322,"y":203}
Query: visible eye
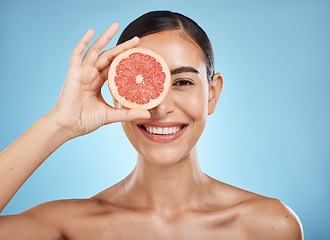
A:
{"x":183,"y":83}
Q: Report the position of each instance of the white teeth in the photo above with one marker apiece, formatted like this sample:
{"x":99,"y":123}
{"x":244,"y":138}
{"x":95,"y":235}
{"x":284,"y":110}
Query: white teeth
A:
{"x":163,"y":131}
{"x":159,"y":130}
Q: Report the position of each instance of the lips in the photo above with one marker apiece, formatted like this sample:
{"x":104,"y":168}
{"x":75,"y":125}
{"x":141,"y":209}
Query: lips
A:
{"x":162,"y":132}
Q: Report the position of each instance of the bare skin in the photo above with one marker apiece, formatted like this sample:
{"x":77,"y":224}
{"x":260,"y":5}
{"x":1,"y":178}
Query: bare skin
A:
{"x":167,"y":196}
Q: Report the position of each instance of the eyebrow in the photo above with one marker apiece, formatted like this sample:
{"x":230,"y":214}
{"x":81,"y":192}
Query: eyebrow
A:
{"x":184,"y":69}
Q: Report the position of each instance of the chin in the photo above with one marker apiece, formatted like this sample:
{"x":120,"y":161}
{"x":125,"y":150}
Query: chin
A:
{"x":162,"y":157}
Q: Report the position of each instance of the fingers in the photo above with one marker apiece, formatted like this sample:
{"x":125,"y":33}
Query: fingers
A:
{"x":107,"y":56}
{"x":92,"y":56}
{"x":80,"y":48}
{"x":125,"y":115}
{"x":94,"y":50}
{"x":104,"y":73}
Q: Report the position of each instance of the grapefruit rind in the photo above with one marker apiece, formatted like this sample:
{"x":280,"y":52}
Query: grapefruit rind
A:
{"x":114,"y":89}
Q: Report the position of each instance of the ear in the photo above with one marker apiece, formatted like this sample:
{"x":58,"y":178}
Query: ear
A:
{"x":215,"y":88}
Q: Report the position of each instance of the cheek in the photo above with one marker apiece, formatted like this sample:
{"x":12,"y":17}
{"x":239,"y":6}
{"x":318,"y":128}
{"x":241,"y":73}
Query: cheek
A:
{"x":195,"y":103}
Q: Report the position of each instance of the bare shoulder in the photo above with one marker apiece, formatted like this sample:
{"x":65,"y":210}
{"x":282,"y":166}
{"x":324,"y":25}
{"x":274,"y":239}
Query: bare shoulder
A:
{"x":60,"y":209}
{"x":259,"y":217}
{"x":48,"y":220}
{"x":267,"y":218}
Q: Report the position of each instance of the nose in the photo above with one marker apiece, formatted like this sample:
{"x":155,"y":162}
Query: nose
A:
{"x":164,"y":108}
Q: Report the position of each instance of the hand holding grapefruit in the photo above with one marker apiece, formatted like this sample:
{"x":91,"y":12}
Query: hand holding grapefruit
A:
{"x":139,"y":78}
{"x":80,"y":108}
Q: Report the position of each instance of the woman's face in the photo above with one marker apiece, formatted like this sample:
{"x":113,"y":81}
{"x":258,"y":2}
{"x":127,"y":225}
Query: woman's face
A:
{"x":177,"y":123}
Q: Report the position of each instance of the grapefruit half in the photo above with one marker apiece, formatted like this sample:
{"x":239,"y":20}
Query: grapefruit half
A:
{"x":139,"y":78}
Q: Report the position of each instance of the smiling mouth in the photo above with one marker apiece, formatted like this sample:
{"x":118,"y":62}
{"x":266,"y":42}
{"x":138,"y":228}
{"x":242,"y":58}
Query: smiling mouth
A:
{"x":162,"y":130}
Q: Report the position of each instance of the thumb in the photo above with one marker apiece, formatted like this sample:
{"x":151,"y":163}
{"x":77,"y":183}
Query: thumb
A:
{"x":125,"y":114}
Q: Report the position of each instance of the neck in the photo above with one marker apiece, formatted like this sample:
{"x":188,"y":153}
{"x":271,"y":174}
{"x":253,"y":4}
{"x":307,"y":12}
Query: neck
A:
{"x":167,"y":188}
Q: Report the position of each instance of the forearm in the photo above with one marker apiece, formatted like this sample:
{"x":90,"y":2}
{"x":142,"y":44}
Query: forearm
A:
{"x":80,"y":109}
{"x":26,"y":154}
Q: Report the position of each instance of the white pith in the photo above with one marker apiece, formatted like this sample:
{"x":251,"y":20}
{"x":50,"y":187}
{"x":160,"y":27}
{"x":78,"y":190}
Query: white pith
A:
{"x":163,"y":131}
{"x":139,"y":79}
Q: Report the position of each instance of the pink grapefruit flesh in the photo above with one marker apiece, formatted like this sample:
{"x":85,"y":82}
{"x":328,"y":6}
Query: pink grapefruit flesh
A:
{"x":139,"y":78}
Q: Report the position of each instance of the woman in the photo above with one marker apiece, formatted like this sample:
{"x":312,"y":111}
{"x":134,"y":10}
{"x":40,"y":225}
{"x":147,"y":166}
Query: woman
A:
{"x":167,"y":196}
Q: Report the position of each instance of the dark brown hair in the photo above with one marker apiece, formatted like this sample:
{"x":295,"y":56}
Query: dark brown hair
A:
{"x":159,"y":21}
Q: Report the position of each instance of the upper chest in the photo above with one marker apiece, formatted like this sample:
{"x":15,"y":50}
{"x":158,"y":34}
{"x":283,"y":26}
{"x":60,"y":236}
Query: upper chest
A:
{"x":141,"y":225}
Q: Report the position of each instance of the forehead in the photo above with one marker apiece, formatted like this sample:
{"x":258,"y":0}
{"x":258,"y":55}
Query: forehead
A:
{"x":176,"y":48}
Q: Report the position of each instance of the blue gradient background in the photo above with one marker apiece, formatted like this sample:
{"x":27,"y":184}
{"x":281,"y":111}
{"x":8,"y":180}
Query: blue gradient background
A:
{"x":269,"y":134}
